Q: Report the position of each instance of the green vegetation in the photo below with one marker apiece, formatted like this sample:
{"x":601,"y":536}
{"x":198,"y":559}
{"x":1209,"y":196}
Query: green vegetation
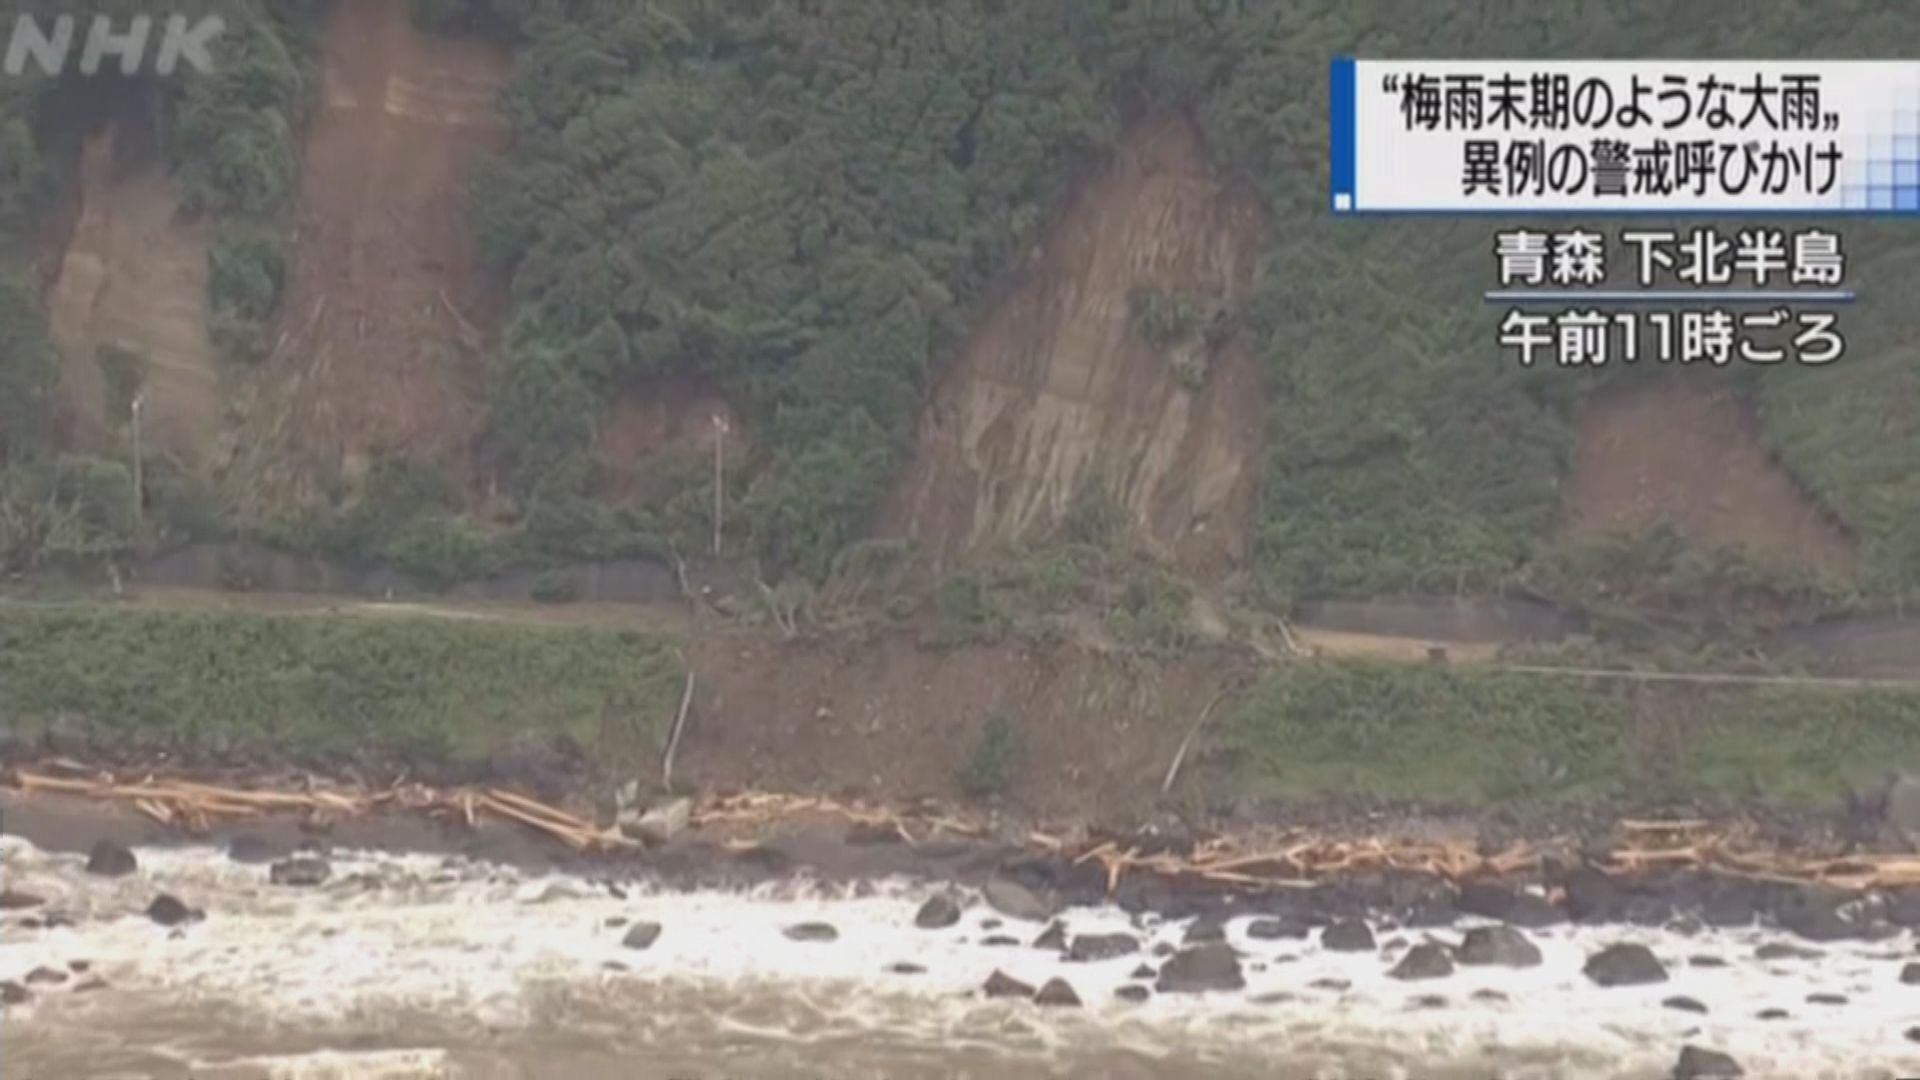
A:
{"x":1442,"y":735}
{"x":334,"y":688}
{"x":989,"y":769}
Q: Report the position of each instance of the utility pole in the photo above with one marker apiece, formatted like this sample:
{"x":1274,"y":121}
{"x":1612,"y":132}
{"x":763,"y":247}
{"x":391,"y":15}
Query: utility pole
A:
{"x":719,"y":477}
{"x":139,"y":492}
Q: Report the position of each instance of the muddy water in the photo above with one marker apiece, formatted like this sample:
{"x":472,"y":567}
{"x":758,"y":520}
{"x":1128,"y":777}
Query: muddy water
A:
{"x":419,"y":966}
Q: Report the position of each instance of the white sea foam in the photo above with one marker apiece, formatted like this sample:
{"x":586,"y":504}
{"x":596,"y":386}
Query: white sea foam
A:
{"x":394,"y":936}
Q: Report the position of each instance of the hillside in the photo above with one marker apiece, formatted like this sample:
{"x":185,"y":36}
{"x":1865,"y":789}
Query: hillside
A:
{"x":459,"y":290}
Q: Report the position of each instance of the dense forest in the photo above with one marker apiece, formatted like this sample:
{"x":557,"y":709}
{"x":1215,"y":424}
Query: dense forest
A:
{"x":802,"y":202}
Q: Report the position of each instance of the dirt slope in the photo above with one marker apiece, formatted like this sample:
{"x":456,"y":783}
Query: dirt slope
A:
{"x":380,"y":332}
{"x":1056,"y":384}
{"x":1690,"y":453}
{"x":134,"y":276}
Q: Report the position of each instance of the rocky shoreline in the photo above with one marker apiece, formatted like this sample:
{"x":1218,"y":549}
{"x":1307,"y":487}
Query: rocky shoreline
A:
{"x":1422,"y":932}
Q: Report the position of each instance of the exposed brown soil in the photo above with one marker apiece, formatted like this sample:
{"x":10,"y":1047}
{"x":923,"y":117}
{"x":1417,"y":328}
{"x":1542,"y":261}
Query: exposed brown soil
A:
{"x":1056,"y":385}
{"x":134,"y":276}
{"x":661,"y":417}
{"x":381,"y":331}
{"x":892,"y":720}
{"x":1691,"y":454}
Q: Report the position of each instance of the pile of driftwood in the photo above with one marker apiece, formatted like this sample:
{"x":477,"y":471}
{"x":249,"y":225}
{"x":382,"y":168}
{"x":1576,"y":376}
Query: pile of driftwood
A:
{"x":1295,"y":860}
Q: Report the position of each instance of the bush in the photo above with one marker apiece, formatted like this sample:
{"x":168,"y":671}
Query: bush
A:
{"x":989,"y":769}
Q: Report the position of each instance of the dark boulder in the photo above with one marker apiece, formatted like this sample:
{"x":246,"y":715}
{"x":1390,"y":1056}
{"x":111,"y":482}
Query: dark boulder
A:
{"x":45,"y":976}
{"x":1697,"y":1063}
{"x":1485,"y":899}
{"x":1142,"y":971}
{"x":1592,"y":897}
{"x":938,"y":913}
{"x":1000,"y":985}
{"x":1814,"y":914}
{"x":1275,"y":929}
{"x":1016,"y":901}
{"x":1903,"y":906}
{"x":1204,"y":929}
{"x":904,"y":968}
{"x":1424,"y":961}
{"x":108,"y":859}
{"x":1056,"y":991}
{"x":1503,"y":946}
{"x":1201,"y":968}
{"x":1533,"y":912}
{"x":12,"y":993}
{"x":1624,"y":965}
{"x":253,"y":849}
{"x":1088,"y":948}
{"x":1910,"y":974}
{"x":1780,"y":950}
{"x":1706,"y":961}
{"x":1349,"y":935}
{"x":1488,"y":995}
{"x":1730,"y":905}
{"x":15,"y":900}
{"x":301,"y":871}
{"x":995,"y":941}
{"x":1336,"y":985}
{"x":641,"y":935}
{"x":1431,"y":914}
{"x":1826,"y":999}
{"x":168,"y":910}
{"x":1684,"y":1004}
{"x":1054,"y":937}
{"x":1133,"y":992}
{"x":811,"y":932}
{"x":1772,"y":1014}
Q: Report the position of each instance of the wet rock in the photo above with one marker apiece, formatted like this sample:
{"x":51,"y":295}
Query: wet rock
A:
{"x":1826,"y":999}
{"x":108,"y":859}
{"x":1814,"y":914}
{"x":1274,"y":997}
{"x":45,"y":976}
{"x":1133,"y":992}
{"x":12,"y":993}
{"x":1912,"y":1034}
{"x":1335,"y":985}
{"x":252,"y":849}
{"x":991,"y":924}
{"x":614,"y":922}
{"x":811,"y":931}
{"x":1054,"y":937}
{"x":1275,"y":929}
{"x":904,"y":968}
{"x":613,"y":965}
{"x":938,"y":913}
{"x":1730,"y":906}
{"x":1903,"y":906}
{"x":1592,"y":897}
{"x":1624,"y":965}
{"x":660,"y":824}
{"x":1910,"y":974}
{"x":1771,"y":1014}
{"x":1000,"y":985}
{"x":1533,"y":912}
{"x":999,"y":940}
{"x":1685,"y":926}
{"x":1201,"y":968}
{"x":1485,"y":899}
{"x":1431,"y":915}
{"x":1163,"y":950}
{"x":642,"y":935}
{"x":1488,"y":995}
{"x":168,"y":910}
{"x":1349,"y":935}
{"x":1056,"y":991}
{"x":301,"y":871}
{"x":873,"y":832}
{"x":90,"y":985}
{"x":1684,"y":1004}
{"x":1704,"y":961}
{"x":1016,"y":901}
{"x":1205,"y":929}
{"x":79,"y":967}
{"x":1142,"y":971}
{"x":1429,"y":1001}
{"x":1424,"y":961}
{"x":1698,"y":1063}
{"x":1088,"y":948}
{"x":1503,"y":946}
{"x":15,"y":900}
{"x":1780,"y":950}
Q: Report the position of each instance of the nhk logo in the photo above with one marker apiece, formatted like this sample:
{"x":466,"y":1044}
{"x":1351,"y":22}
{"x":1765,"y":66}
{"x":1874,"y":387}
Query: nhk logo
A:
{"x":50,"y":43}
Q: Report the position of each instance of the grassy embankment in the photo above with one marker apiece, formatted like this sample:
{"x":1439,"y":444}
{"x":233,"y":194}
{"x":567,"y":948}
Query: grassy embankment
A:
{"x":320,"y":689}
{"x":1436,"y":735}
